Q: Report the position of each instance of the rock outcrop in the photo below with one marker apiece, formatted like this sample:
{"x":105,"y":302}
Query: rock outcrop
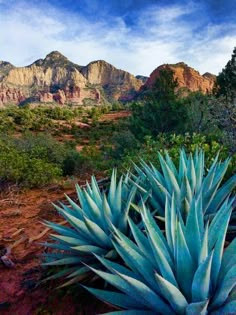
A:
{"x":188,"y":78}
{"x":53,"y":79}
{"x":117,"y":84}
{"x":56,"y":79}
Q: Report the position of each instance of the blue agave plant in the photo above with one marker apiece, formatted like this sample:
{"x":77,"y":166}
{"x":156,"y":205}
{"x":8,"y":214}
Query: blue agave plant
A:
{"x":89,"y":228}
{"x":184,"y":271}
{"x":188,"y":181}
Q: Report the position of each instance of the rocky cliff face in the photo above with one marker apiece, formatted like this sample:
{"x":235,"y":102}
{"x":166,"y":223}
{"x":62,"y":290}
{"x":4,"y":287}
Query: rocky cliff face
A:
{"x":53,"y":79}
{"x":56,"y":79}
{"x":188,"y":78}
{"x":117,"y":84}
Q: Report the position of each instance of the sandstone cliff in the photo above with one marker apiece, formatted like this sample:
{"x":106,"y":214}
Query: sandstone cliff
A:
{"x":56,"y":79}
{"x":188,"y":78}
{"x":117,"y":84}
{"x":53,"y":79}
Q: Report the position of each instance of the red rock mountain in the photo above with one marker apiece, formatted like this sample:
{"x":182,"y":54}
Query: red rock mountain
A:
{"x":188,"y":78}
{"x":55,"y":79}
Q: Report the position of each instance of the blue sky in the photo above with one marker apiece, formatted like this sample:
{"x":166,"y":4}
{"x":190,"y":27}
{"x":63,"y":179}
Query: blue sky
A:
{"x":134,"y":35}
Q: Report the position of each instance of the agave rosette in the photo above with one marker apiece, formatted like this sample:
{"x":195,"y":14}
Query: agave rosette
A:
{"x":188,"y":181}
{"x":184,"y":271}
{"x":89,"y":228}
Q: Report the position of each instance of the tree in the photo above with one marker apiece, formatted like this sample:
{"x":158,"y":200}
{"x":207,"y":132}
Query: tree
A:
{"x":160,"y":109}
{"x":200,"y":118}
{"x":226,"y":80}
{"x":224,"y":105}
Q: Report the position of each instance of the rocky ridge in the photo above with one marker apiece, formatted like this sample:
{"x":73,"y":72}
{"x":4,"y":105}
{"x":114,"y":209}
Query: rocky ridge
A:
{"x":188,"y":78}
{"x":56,"y":79}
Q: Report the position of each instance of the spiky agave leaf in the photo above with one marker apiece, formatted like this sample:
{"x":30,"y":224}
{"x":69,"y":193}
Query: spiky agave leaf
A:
{"x":187,"y":281}
{"x":189,"y":181}
{"x":89,"y":230}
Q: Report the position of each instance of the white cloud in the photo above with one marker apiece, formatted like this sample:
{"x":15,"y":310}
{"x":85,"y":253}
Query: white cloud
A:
{"x":161,"y":35}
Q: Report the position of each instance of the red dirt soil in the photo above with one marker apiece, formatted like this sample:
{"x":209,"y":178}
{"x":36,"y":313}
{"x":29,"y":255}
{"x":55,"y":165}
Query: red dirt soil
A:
{"x":21,"y":216}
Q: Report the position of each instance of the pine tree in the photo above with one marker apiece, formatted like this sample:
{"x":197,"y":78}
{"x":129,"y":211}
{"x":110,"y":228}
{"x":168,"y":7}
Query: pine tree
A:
{"x":226,"y":80}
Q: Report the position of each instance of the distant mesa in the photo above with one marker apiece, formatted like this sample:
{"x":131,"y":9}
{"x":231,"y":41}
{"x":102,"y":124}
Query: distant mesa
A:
{"x":57,"y":80}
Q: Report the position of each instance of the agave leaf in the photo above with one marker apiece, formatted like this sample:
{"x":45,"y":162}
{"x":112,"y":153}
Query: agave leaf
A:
{"x":158,"y":240}
{"x":64,"y":261}
{"x":75,"y":222}
{"x":216,"y":223}
{"x":132,"y":255}
{"x":126,"y":287}
{"x":119,"y":196}
{"x":191,"y":173}
{"x":123,"y":217}
{"x":204,"y":249}
{"x":199,"y":169}
{"x":112,"y":190}
{"x":170,"y":179}
{"x":208,"y":180}
{"x":225,"y":287}
{"x":211,"y":192}
{"x":201,"y":280}
{"x":228,"y":309}
{"x":107,"y":210}
{"x":66,"y":239}
{"x":222,"y":194}
{"x":197,"y":308}
{"x":159,"y":190}
{"x":228,"y":259}
{"x":157,"y":174}
{"x":182,"y":165}
{"x":96,"y":191}
{"x":61,"y":229}
{"x":141,"y":240}
{"x":75,"y":207}
{"x":192,"y":232}
{"x":170,"y":223}
{"x":60,"y":274}
{"x":218,"y":251}
{"x":184,"y":264}
{"x":79,"y":271}
{"x":170,"y":163}
{"x":155,"y":302}
{"x":74,"y":280}
{"x":95,"y":212}
{"x":82,"y":199}
{"x":113,"y":266}
{"x":99,"y":236}
{"x":115,"y":298}
{"x":172,"y":294}
{"x":58,"y":246}
{"x":65,"y":208}
{"x":90,"y":249}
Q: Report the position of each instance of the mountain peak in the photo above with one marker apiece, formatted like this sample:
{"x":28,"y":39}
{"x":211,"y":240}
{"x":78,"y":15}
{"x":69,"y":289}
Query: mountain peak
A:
{"x":55,"y":55}
{"x":54,"y":58}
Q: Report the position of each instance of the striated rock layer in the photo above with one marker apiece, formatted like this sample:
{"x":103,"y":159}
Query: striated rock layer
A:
{"x":117,"y":84}
{"x":56,"y":79}
{"x":188,"y":78}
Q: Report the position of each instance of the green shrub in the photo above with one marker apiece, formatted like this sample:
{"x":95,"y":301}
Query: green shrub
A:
{"x":173,"y":143}
{"x":35,"y":160}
